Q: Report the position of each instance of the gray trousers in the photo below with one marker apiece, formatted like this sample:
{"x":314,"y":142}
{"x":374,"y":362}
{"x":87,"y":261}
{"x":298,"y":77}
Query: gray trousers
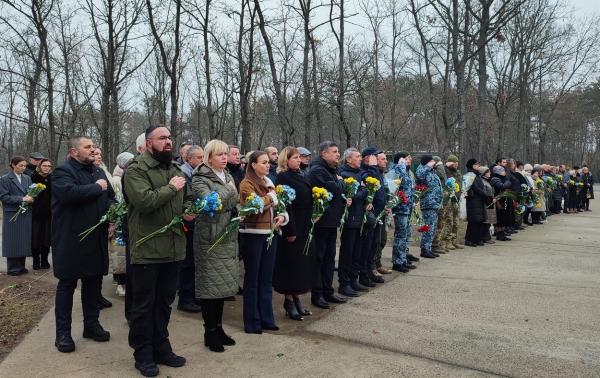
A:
{"x":15,"y":264}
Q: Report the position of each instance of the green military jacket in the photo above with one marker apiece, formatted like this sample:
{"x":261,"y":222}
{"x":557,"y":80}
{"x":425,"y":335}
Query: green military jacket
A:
{"x":152,"y":204}
{"x":451,"y":172}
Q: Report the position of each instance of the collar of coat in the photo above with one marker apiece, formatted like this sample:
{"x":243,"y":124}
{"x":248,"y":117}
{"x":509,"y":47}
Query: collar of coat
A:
{"x":79,"y":166}
{"x":207,"y":171}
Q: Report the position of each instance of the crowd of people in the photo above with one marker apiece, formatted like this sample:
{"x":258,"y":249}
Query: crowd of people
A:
{"x":189,"y":262}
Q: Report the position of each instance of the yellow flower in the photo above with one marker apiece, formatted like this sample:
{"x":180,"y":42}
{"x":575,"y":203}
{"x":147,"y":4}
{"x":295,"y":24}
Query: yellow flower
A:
{"x":538,"y":205}
{"x":456,"y":187}
{"x":538,"y":181}
{"x":279,"y":189}
{"x":397,"y":181}
{"x":349,"y":180}
{"x":571,"y":182}
{"x":372,"y":180}
{"x":559,"y":177}
{"x":220,"y":207}
{"x":550,"y":179}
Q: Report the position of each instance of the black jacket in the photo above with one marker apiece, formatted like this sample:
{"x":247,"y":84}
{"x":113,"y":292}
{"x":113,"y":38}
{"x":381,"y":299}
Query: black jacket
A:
{"x":379,"y":200}
{"x":30,"y":169}
{"x":356,"y":211}
{"x":78,"y":203}
{"x":323,"y":176}
{"x":516,"y":180}
{"x":237,"y":173}
{"x":272,"y":173}
{"x":477,"y":200}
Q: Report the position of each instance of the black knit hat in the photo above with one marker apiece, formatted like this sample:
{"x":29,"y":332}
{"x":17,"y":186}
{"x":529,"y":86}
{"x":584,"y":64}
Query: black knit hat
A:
{"x":426,"y":159}
{"x":400,"y":155}
{"x":471,"y":162}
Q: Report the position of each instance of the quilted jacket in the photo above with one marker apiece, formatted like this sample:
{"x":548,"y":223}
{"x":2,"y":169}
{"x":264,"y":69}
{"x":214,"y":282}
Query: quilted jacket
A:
{"x":432,"y":199}
{"x":217,"y":272}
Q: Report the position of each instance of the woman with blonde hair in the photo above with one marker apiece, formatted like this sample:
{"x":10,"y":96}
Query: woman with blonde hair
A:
{"x":217,"y":271}
{"x":295,"y":272}
{"x":259,"y":257}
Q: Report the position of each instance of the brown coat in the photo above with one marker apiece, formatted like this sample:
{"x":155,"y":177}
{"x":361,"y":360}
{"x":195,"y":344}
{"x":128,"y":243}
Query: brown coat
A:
{"x":260,"y":223}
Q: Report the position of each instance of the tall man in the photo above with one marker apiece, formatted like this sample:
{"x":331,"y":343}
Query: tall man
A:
{"x":187,"y":269}
{"x":273,"y":158}
{"x":234,"y":166}
{"x":323,"y":173}
{"x":81,"y":195}
{"x":562,"y":170}
{"x":451,"y":210}
{"x":156,"y":192}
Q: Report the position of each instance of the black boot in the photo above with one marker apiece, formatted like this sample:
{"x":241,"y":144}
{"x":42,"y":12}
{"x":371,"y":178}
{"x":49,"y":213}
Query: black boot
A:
{"x":35,"y":253}
{"x":44,"y":258}
{"x":104,"y":302}
{"x":290,"y":310}
{"x":301,"y":310}
{"x":211,"y":340}
{"x":223,"y":338}
{"x":506,"y":238}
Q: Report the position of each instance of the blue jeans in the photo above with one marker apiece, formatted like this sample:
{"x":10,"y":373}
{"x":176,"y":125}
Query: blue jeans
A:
{"x":259,"y":262}
{"x":90,"y":292}
{"x":402,"y":233}
{"x":187,"y":272}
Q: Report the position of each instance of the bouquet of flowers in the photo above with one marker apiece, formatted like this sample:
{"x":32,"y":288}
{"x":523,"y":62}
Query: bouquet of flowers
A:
{"x":252,"y":205}
{"x":506,"y":194}
{"x":207,"y":205}
{"x":321,"y":198}
{"x":350,"y":189}
{"x":559,"y":177}
{"x":33,"y":191}
{"x":550,"y":182}
{"x":393,"y":200}
{"x":373,"y":186}
{"x":113,"y":215}
{"x":285,"y":196}
{"x":452,"y":188}
{"x":539,"y":184}
{"x":588,"y":195}
{"x":578,"y":186}
{"x":519,"y":210}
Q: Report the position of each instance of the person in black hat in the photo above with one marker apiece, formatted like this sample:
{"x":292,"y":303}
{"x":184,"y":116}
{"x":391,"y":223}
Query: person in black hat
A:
{"x":34,"y":160}
{"x":430,"y":202}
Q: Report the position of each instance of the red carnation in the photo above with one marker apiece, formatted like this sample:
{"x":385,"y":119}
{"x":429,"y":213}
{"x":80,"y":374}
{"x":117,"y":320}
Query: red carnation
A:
{"x":424,"y":228}
{"x":403,"y":199}
{"x":515,"y":205}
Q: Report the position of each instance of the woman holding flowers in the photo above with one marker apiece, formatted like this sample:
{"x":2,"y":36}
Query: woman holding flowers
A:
{"x":501,"y":185}
{"x":477,"y":201}
{"x":539,"y":188}
{"x":588,"y":188}
{"x":41,"y":213}
{"x":295,"y":271}
{"x":490,"y":212}
{"x":16,"y":234}
{"x":573,"y":192}
{"x":259,"y":257}
{"x":217,"y":271}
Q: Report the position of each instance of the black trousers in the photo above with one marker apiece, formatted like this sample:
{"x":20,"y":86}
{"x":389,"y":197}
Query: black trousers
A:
{"x":128,"y":282}
{"x":325,"y":238}
{"x":369,"y":249}
{"x":474,"y":232}
{"x":212,"y":312}
{"x":187,"y":272}
{"x":154,"y":290}
{"x":485,"y":232}
{"x":350,"y":249}
{"x":63,"y":305}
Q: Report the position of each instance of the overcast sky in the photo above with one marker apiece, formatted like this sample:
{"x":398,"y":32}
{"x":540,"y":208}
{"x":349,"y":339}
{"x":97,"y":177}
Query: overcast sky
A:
{"x":586,"y":7}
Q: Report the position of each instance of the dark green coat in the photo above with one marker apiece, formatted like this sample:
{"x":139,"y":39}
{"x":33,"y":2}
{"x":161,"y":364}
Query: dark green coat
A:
{"x":217,"y":271}
{"x":152,"y":204}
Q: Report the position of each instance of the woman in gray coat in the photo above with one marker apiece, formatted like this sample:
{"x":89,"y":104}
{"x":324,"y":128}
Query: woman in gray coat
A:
{"x":16,"y":235}
{"x":217,"y":271}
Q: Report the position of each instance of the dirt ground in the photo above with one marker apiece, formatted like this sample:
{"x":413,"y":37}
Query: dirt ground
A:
{"x":23,"y":302}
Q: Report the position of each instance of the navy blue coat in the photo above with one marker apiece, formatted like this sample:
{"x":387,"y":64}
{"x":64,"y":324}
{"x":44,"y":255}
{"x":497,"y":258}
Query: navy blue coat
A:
{"x":379,"y":200}
{"x":432,"y":199}
{"x":323,"y":176}
{"x":16,"y":235}
{"x":356,"y":211}
{"x":78,"y":203}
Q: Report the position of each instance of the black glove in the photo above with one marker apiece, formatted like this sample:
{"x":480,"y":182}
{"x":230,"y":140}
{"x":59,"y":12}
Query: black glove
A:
{"x":234,"y":212}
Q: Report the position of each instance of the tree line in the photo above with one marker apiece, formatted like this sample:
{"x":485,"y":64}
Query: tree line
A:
{"x":470,"y":77}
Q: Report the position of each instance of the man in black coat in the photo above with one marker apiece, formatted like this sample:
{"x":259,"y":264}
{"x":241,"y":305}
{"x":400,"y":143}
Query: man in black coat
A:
{"x":34,"y":160}
{"x":81,"y":195}
{"x":234,"y":166}
{"x":323,"y":173}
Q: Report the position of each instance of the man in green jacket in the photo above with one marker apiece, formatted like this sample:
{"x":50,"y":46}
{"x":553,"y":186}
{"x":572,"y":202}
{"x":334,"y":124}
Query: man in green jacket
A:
{"x":437,"y":246}
{"x":451,"y":211}
{"x":156,"y":192}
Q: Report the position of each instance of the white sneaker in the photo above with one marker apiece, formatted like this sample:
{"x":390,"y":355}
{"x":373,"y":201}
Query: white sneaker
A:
{"x":120,"y":291}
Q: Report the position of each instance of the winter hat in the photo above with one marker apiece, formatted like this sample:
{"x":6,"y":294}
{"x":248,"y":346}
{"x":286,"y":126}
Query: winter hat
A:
{"x":471,"y":162}
{"x":304,"y":151}
{"x":528,"y":167}
{"x":123,"y":158}
{"x":426,"y":159}
{"x":498,"y":169}
{"x":576,"y":168}
{"x":400,"y":155}
{"x":436,"y":159}
{"x":452,"y":159}
{"x":483,"y":170}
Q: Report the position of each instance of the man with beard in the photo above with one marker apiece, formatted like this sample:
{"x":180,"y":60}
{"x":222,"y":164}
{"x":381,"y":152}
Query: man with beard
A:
{"x":234,"y":166}
{"x":80,"y":197}
{"x":273,"y":155}
{"x":304,"y":160}
{"x":156,"y":192}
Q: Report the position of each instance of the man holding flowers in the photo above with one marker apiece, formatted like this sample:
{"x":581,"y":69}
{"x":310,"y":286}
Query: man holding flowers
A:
{"x":156,"y":192}
{"x":451,"y":210}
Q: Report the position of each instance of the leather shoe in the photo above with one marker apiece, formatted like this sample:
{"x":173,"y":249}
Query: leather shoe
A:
{"x":24,"y":271}
{"x":356,"y":286}
{"x":469,"y":244}
{"x":170,"y":359}
{"x":427,"y":255}
{"x":410,"y":266}
{"x":375,"y":278}
{"x":189,"y":307}
{"x":335,"y":299}
{"x":400,"y":268}
{"x":97,"y":333}
{"x":270,"y":328}
{"x":104,"y":302}
{"x":433,"y":253}
{"x":147,"y":368}
{"x":366,"y":281}
{"x":13,"y":273}
{"x":410,"y":257}
{"x":481,"y":243}
{"x":347,"y":291}
{"x":64,"y":343}
{"x":384,"y":270}
{"x":320,"y":302}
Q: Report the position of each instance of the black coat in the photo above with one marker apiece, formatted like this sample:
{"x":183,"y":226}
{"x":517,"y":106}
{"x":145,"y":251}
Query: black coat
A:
{"x":588,"y":183}
{"x":78,"y":203}
{"x":516,"y":180}
{"x":501,"y":184}
{"x":42,"y":213}
{"x":379,"y":200}
{"x":356,"y":211}
{"x":238,"y":174}
{"x":323,"y":176}
{"x":477,"y":200}
{"x":295,"y":272}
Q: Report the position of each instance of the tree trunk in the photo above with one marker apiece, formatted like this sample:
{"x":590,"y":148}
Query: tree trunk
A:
{"x":31,"y":97}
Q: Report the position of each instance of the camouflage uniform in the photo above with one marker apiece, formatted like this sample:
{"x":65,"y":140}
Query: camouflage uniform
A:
{"x":441,"y":172}
{"x":451,"y":211}
{"x":402,"y":214}
{"x":430,"y":202}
